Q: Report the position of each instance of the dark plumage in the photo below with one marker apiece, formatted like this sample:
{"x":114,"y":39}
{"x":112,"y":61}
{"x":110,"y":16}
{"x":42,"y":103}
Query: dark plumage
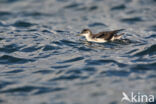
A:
{"x":107,"y":35}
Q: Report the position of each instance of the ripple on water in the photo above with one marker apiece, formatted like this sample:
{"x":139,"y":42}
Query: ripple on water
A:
{"x":50,"y":47}
{"x":72,"y":60}
{"x":73,"y":5}
{"x":6,"y":59}
{"x":128,"y":1}
{"x":120,"y":73}
{"x":34,"y":89}
{"x":74,"y":71}
{"x":30,"y":49}
{"x":60,"y":66}
{"x":97,"y":24}
{"x":1,"y":39}
{"x":62,"y":31}
{"x":132,"y":20}
{"x":87,"y":49}
{"x":71,"y":74}
{"x":44,"y":71}
{"x":4,"y":13}
{"x":102,"y":61}
{"x":119,"y":7}
{"x":8,"y":1}
{"x":46,"y":31}
{"x":5,"y":83}
{"x":145,"y":2}
{"x":69,"y":43}
{"x":90,"y":8}
{"x":66,"y":77}
{"x":89,"y":70}
{"x":62,"y":0}
{"x":35,"y":14}
{"x":94,"y":7}
{"x":22,"y":24}
{"x":143,"y":67}
{"x":1,"y":101}
{"x":148,"y":51}
{"x":81,"y":7}
{"x":44,"y":90}
{"x":15,"y":71}
{"x":151,"y":36}
{"x":152,"y":28}
{"x":9,"y":48}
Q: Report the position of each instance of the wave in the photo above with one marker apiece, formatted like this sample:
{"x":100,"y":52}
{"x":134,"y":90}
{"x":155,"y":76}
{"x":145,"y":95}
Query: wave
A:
{"x":6,"y":59}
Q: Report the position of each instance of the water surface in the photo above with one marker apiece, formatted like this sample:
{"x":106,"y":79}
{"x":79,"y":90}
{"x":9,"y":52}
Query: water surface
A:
{"x":43,"y":62}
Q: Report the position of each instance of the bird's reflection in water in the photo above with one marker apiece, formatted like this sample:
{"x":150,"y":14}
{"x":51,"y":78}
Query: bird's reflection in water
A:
{"x":107,"y":45}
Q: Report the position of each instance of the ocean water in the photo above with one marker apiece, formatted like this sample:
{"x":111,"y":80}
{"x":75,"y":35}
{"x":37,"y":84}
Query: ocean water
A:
{"x":42,"y":61}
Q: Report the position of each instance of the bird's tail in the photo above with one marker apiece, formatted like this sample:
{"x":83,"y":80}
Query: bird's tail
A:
{"x":118,"y":36}
{"x":116,"y":31}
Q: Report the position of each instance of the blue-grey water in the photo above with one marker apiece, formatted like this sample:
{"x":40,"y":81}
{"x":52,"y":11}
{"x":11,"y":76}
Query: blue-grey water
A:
{"x":42,"y":61}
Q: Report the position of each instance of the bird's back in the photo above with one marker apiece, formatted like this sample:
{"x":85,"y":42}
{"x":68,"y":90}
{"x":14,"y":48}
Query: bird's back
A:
{"x":107,"y":35}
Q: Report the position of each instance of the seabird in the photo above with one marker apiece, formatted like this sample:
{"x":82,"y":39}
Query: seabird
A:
{"x":101,"y":36}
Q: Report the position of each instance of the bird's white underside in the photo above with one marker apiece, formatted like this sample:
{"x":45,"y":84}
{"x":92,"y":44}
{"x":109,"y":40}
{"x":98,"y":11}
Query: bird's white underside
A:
{"x":99,"y":40}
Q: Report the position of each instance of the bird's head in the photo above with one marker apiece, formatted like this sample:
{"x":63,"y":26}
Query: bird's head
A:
{"x":85,"y":32}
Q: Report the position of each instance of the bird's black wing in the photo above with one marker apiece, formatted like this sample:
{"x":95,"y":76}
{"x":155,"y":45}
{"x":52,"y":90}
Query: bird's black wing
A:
{"x":107,"y":34}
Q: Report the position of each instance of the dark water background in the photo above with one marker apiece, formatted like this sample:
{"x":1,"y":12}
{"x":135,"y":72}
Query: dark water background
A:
{"x":43,"y":62}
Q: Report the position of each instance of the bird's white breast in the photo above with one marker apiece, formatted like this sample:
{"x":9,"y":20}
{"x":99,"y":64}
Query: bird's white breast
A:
{"x":100,"y":40}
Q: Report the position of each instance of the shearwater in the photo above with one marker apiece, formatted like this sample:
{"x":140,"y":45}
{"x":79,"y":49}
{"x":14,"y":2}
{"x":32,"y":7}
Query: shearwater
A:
{"x":101,"y":36}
